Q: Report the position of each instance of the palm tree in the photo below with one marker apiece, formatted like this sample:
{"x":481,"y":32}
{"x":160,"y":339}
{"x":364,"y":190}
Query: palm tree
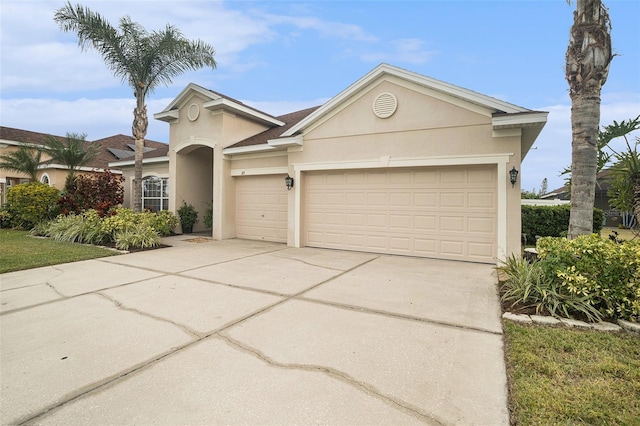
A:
{"x":141,"y":59}
{"x":74,"y":152}
{"x":25,"y":160}
{"x":625,"y":187}
{"x":587,"y":68}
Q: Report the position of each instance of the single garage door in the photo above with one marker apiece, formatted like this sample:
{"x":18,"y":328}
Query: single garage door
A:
{"x":261,"y":208}
{"x":439,"y":212}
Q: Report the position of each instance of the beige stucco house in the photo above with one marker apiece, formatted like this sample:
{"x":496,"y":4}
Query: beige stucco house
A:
{"x":396,"y":163}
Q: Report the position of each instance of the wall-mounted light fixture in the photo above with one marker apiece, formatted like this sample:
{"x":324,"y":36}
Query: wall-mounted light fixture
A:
{"x":289,"y":182}
{"x":513,"y":176}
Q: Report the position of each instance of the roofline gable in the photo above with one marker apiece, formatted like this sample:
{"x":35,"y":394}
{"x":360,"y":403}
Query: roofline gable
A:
{"x":385,"y":69}
{"x":213,"y":102}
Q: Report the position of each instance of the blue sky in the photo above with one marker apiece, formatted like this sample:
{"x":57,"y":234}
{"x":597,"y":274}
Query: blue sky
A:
{"x":281,"y":56}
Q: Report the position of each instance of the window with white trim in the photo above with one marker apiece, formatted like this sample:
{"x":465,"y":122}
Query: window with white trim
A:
{"x":155,"y":193}
{"x":45,"y":179}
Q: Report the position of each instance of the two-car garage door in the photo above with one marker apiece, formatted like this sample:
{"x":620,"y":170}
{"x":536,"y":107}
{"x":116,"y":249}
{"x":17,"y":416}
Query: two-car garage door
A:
{"x":441,"y":212}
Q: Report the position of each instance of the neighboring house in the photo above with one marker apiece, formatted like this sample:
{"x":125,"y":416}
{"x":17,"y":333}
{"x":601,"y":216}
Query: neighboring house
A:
{"x":113,"y":148}
{"x":396,"y":163}
{"x":613,"y":216}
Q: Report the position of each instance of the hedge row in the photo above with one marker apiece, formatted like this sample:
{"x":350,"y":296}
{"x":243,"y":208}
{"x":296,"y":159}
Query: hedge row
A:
{"x":552,"y":221}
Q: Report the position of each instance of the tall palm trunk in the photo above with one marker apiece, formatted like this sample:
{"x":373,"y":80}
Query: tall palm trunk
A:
{"x":587,"y":68}
{"x":139,"y":131}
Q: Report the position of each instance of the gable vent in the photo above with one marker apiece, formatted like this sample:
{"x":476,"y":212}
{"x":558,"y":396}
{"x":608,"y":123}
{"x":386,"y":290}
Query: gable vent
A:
{"x":385,"y":105}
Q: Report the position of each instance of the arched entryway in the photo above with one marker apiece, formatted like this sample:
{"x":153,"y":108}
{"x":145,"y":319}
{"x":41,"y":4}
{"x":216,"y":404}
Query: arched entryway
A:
{"x":193,"y":182}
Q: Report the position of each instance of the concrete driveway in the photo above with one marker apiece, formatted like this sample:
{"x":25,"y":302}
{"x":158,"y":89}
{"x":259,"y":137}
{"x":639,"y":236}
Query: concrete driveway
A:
{"x":245,"y":332}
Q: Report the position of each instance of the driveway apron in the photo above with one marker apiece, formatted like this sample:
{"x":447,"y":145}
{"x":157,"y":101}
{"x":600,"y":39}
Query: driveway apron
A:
{"x":249,"y":332}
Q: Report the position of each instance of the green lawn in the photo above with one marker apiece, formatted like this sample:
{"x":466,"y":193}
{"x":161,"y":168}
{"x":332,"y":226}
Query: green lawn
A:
{"x":20,"y":251}
{"x":561,"y":376}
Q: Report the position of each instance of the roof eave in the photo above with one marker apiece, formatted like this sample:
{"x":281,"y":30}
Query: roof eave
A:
{"x":242,"y":110}
{"x":286,"y":142}
{"x":250,"y":149}
{"x":125,"y":163}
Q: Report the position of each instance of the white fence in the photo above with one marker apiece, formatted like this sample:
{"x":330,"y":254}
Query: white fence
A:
{"x":544,"y":202}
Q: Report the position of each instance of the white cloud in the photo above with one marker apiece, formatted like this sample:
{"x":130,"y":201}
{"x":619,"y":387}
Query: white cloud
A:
{"x":405,"y":50}
{"x":323,"y":27}
{"x":98,"y":118}
{"x":38,"y":56}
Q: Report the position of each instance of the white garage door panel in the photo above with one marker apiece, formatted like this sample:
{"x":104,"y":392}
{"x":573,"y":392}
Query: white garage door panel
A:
{"x":261,"y":208}
{"x":442,"y":212}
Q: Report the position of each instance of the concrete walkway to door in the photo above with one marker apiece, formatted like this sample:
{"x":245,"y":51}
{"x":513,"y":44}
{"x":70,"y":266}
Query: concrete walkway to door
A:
{"x":246,"y":332}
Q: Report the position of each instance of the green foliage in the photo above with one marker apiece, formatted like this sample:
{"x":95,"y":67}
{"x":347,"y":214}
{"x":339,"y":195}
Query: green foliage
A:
{"x":208,"y":216}
{"x":527,"y":286}
{"x":605,"y":272}
{"x":529,"y":195}
{"x":139,"y":235}
{"x":124,"y":228}
{"x":620,"y":192}
{"x":552,"y":221}
{"x":589,"y":276}
{"x":99,"y":191}
{"x":30,"y":203}
{"x":163,"y":221}
{"x":188,"y":214}
{"x":24,"y":160}
{"x":75,"y":228}
{"x":74,"y":152}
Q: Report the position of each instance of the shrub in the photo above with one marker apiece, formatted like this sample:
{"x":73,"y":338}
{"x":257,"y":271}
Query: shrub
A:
{"x":79,"y":228}
{"x":31,"y":203}
{"x":100,"y":192}
{"x":140,"y":235}
{"x":208,"y":216}
{"x":163,"y":221}
{"x":527,"y":286}
{"x":552,"y":221}
{"x":602,"y":270}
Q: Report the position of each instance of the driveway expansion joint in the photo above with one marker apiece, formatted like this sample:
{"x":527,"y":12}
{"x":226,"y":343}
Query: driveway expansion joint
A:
{"x":335,"y":374}
{"x":396,"y":315}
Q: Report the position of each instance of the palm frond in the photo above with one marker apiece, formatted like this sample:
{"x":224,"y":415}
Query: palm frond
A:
{"x":25,"y":160}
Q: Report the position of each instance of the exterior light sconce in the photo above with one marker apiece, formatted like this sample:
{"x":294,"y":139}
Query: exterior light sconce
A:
{"x":289,"y":182}
{"x":513,"y":176}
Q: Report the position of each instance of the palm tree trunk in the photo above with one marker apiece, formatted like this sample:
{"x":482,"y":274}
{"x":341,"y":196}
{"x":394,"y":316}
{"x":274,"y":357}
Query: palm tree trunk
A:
{"x":588,"y":58}
{"x":139,"y":130}
{"x":585,"y":120}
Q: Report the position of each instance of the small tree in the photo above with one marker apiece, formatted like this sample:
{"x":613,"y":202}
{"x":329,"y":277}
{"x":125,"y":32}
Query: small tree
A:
{"x":25,"y":160}
{"x":543,"y":187}
{"x":74,"y":152}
